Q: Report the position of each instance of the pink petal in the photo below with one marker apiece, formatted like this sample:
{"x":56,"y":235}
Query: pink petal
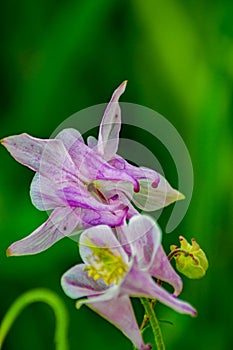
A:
{"x":162,"y":269}
{"x":110,"y":126}
{"x":120,"y":313}
{"x":43,"y":192}
{"x":69,"y":137}
{"x":76,"y":283}
{"x":90,"y":166}
{"x":91,"y":217}
{"x":61,"y":223}
{"x":48,"y":157}
{"x":146,"y":287}
{"x":144,"y":237}
{"x":150,"y":198}
{"x":138,"y":172}
{"x":101,"y":236}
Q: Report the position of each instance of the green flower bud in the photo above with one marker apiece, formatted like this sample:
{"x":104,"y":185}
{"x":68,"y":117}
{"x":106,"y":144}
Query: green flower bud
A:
{"x":191,"y":261}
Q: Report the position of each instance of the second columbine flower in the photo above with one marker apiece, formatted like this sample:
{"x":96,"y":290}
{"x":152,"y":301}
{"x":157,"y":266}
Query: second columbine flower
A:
{"x":115,"y":269}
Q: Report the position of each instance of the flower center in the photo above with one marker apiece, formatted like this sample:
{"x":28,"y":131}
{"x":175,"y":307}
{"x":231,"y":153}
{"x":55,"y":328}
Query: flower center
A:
{"x":106,"y":265}
{"x":95,"y":191}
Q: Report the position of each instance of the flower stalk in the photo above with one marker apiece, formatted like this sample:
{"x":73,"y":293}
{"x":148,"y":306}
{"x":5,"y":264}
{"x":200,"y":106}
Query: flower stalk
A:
{"x":154,"y":323}
{"x":44,"y":296}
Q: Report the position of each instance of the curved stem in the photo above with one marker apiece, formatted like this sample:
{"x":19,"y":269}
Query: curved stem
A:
{"x":39,"y":295}
{"x":154,"y":323}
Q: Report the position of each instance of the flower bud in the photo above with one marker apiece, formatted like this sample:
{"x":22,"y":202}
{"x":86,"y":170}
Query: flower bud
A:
{"x":191,"y":260}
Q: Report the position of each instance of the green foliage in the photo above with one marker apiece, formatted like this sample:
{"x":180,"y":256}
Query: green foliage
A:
{"x":60,"y":57}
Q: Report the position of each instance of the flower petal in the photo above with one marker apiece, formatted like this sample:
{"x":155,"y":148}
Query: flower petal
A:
{"x":110,"y":126}
{"x":155,"y":192}
{"x":138,"y":172}
{"x":48,"y":157}
{"x":91,"y":217}
{"x":162,"y":269}
{"x":146,"y":287}
{"x":77,"y":284}
{"x":120,"y":313}
{"x":144,"y":236}
{"x":43,"y":193}
{"x":69,"y":137}
{"x":61,"y":223}
{"x":140,"y":238}
{"x":90,"y":166}
{"x":101,"y":236}
{"x":151,"y":198}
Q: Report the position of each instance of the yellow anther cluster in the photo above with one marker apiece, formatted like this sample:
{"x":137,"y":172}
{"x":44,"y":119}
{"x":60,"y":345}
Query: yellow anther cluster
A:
{"x":106,"y":265}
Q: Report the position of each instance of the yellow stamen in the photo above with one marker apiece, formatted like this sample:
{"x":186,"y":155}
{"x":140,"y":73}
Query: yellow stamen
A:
{"x":104,"y":264}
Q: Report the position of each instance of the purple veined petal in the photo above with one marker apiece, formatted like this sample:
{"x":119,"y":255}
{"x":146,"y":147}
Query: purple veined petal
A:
{"x":144,"y":236}
{"x":91,"y":217}
{"x":43,"y":193}
{"x":46,"y":194}
{"x":48,"y":157}
{"x":69,"y":137}
{"x":146,"y":287}
{"x":61,"y":223}
{"x":108,"y":138}
{"x":115,"y":195}
{"x":79,"y":196}
{"x":150,"y":198}
{"x":122,"y":198}
{"x":90,"y":166}
{"x":101,"y":236}
{"x":104,"y":171}
{"x":138,"y":172}
{"x":162,"y":269}
{"x":77,"y":284}
{"x":120,"y":313}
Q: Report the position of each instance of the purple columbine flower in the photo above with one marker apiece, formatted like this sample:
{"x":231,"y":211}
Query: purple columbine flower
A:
{"x":115,"y":269}
{"x":84,"y":185}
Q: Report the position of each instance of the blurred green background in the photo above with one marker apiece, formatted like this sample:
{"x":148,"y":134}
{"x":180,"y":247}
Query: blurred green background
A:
{"x":59,"y":57}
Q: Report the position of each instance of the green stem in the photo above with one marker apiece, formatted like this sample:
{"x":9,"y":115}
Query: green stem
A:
{"x":154,"y":323}
{"x":38,"y":295}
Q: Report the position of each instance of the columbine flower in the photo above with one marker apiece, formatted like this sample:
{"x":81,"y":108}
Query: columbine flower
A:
{"x":84,"y":185}
{"x":115,"y":269}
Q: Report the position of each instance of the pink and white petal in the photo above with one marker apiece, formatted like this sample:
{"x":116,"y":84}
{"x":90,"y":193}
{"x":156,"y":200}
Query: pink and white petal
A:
{"x":79,"y":196}
{"x":162,"y":269}
{"x":101,"y":236}
{"x":61,"y":223}
{"x":69,"y":137}
{"x":90,"y":166}
{"x":43,"y":193}
{"x":144,"y":236}
{"x":91,"y":217}
{"x":146,"y":287}
{"x":108,"y":138}
{"x":138,"y":172}
{"x":123,"y":199}
{"x":48,"y":157}
{"x":113,"y":193}
{"x":103,"y":171}
{"x":77,"y":284}
{"x":150,"y":198}
{"x":122,"y":236}
{"x":120,"y":313}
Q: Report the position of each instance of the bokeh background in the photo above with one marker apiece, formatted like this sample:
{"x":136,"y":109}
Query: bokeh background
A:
{"x":59,"y":57}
